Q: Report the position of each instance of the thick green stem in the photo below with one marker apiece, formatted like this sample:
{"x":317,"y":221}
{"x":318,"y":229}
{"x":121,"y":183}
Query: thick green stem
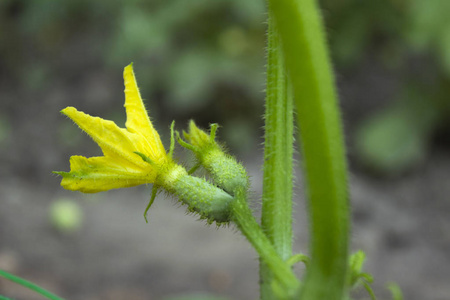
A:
{"x":243,"y":218}
{"x":306,"y":56}
{"x":276,"y":217}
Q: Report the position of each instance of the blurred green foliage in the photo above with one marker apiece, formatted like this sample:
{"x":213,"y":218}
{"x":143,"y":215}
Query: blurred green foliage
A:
{"x":411,"y":38}
{"x":192,"y":47}
{"x":191,"y":56}
{"x":358,"y":27}
{"x":429,"y":29}
{"x":208,"y":56}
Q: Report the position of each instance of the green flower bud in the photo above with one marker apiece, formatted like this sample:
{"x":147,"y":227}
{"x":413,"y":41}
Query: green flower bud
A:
{"x":226,"y":172}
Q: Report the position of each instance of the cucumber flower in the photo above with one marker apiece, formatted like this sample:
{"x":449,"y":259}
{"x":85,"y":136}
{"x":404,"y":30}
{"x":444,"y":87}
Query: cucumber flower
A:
{"x":131,"y":156}
{"x":135,"y":155}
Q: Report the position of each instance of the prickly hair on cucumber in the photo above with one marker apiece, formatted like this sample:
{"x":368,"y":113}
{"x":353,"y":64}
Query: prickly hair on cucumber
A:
{"x":226,"y":172}
{"x":200,"y":196}
{"x":210,"y":202}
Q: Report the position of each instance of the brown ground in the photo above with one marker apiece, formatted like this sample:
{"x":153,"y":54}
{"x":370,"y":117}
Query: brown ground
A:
{"x":402,"y":225}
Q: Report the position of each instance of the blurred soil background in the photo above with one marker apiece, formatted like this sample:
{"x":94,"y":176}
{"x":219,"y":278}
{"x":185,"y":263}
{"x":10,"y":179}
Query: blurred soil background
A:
{"x":204,"y":60}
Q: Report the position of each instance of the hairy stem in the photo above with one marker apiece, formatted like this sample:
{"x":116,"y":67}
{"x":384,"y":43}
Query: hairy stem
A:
{"x":306,"y":55}
{"x":243,"y":218}
{"x":276,"y":217}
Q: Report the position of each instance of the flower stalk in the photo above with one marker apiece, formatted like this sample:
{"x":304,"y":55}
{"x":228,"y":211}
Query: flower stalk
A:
{"x":285,"y":284}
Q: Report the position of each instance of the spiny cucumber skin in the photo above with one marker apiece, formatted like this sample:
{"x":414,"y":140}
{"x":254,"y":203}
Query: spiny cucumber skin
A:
{"x":227,"y":173}
{"x":210,"y":202}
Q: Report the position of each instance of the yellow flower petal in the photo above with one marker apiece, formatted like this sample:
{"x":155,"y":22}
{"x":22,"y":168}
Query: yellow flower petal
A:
{"x":97,"y":174}
{"x":115,"y":142}
{"x":132,"y":156}
{"x":137,"y":116}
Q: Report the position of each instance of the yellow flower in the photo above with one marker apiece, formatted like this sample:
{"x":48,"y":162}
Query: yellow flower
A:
{"x":133,"y":155}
